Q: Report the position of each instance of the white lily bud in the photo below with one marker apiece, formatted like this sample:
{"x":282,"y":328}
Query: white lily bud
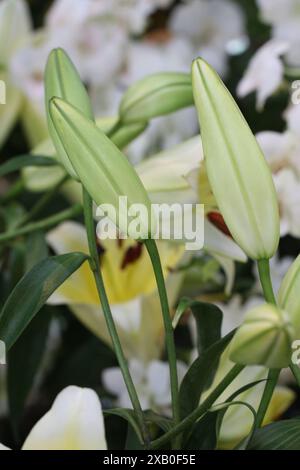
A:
{"x":237,"y":170}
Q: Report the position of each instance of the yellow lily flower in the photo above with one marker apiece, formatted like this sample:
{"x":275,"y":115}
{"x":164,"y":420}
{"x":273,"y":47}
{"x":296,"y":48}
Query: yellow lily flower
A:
{"x":130,"y":285}
{"x":74,"y":422}
{"x":238,"y":419}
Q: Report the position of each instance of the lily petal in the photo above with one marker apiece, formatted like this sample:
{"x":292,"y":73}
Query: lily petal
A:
{"x":75,"y":422}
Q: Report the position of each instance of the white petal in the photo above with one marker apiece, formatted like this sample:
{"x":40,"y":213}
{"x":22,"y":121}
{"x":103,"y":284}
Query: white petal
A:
{"x":217,"y":243}
{"x":3,"y":447}
{"x":75,"y":422}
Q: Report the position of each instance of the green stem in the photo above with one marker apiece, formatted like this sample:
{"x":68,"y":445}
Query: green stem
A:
{"x":266,"y":283}
{"x":265,"y":280}
{"x":170,"y":344}
{"x":43,"y":202}
{"x":92,"y":241}
{"x":43,"y":224}
{"x":267,"y":396}
{"x":201,"y":410}
{"x":114,"y":129}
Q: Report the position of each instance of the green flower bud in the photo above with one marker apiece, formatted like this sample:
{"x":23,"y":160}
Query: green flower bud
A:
{"x":238,"y":173}
{"x":288,"y":296}
{"x":156,"y":95}
{"x":63,"y":81}
{"x":102,"y":168}
{"x":264,"y":338}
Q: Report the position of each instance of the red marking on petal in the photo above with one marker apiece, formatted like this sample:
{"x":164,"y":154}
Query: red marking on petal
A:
{"x":217,"y":220}
{"x":132,"y":254}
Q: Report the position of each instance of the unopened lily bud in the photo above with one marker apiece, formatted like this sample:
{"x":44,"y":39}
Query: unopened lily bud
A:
{"x":156,"y":95}
{"x":264,"y":338}
{"x":102,"y":168}
{"x":63,"y":81}
{"x":289,"y":297}
{"x":237,"y":170}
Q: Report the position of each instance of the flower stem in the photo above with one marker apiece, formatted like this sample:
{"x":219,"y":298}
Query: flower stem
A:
{"x":266,"y":283}
{"x":267,"y":396}
{"x":170,"y":344}
{"x":265,"y":280}
{"x":92,"y":242}
{"x":201,"y":410}
{"x":43,"y":224}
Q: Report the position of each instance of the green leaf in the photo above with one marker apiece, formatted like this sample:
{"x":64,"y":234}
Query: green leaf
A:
{"x":36,"y":249}
{"x":209,"y":322}
{"x":200,"y":375}
{"x":283,"y":435}
{"x":204,"y":433}
{"x":23,"y":361}
{"x":161,"y":421}
{"x":32,"y":291}
{"x":17,"y":163}
{"x":208,"y":319}
{"x":129,"y":416}
{"x":132,"y":440}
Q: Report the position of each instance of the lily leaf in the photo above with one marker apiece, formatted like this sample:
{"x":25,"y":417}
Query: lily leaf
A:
{"x":200,"y":375}
{"x":32,"y":291}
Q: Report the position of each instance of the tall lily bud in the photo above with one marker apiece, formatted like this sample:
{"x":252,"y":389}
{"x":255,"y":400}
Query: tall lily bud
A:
{"x":156,"y":95}
{"x":102,"y":168}
{"x":264,"y":338}
{"x":63,"y":81}
{"x":238,"y":173}
{"x":288,"y":296}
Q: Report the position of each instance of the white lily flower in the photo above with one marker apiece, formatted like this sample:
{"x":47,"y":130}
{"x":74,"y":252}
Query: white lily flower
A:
{"x":209,"y":25}
{"x":282,"y":154}
{"x":152,"y":382}
{"x":74,"y":422}
{"x":265,"y":72}
{"x":284,"y":16}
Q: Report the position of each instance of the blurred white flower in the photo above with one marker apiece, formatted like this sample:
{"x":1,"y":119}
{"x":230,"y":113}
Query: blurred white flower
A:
{"x":284,"y":16}
{"x":265,"y":72}
{"x":288,"y":191}
{"x":282,"y":152}
{"x":132,"y":14}
{"x":152,"y":384}
{"x":292,"y":117}
{"x":157,"y":54}
{"x":209,"y":25}
{"x":15,"y":25}
{"x":74,"y":422}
